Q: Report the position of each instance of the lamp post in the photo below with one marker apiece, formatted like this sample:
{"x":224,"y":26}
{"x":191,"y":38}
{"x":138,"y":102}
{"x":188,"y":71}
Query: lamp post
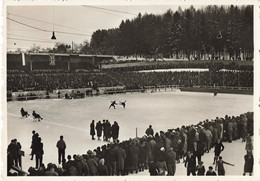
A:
{"x":53,"y":33}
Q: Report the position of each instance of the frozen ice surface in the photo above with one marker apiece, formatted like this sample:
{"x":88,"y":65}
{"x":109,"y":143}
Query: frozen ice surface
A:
{"x":163,"y":110}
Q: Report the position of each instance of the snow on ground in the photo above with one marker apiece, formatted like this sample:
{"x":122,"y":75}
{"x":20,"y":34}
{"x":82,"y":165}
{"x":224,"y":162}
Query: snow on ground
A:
{"x":164,"y":110}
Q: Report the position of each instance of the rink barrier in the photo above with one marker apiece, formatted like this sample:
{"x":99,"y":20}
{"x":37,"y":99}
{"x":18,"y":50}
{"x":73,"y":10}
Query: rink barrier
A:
{"x":87,"y":92}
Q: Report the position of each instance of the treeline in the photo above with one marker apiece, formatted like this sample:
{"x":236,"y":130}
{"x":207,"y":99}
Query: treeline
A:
{"x":212,"y":32}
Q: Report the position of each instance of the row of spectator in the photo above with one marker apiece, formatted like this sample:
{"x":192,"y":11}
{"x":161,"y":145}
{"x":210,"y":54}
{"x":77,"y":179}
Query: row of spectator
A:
{"x":160,"y":152}
{"x":132,"y":80}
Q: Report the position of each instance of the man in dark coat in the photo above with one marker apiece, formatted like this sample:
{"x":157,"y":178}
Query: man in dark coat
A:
{"x":34,"y":140}
{"x":107,"y":130}
{"x":103,"y":128}
{"x":191,"y":161}
{"x":219,"y":147}
{"x":171,"y":161}
{"x":113,"y":159}
{"x":153,"y":169}
{"x":149,"y":131}
{"x":92,"y":129}
{"x":13,"y":150}
{"x":99,"y":129}
{"x":134,"y":152}
{"x":115,"y":131}
{"x":39,"y":152}
{"x":197,"y":150}
{"x":249,"y":163}
{"x":120,"y":158}
{"x":102,"y":168}
{"x":61,"y":145}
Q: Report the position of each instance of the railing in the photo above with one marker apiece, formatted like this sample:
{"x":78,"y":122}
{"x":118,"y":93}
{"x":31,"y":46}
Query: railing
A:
{"x":224,"y":87}
{"x":115,"y":90}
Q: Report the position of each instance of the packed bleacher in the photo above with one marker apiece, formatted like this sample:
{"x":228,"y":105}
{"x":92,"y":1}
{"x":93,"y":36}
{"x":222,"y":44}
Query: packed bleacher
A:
{"x":53,"y":81}
{"x":158,"y":152}
{"x":132,"y":80}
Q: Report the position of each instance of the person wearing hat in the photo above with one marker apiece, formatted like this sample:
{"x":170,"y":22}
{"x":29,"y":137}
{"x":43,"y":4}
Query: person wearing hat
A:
{"x":102,"y":168}
{"x":211,"y":172}
{"x":200,"y":169}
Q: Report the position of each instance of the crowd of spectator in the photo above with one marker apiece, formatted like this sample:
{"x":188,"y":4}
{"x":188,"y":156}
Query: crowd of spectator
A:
{"x":132,"y":80}
{"x":194,"y":64}
{"x":53,"y":81}
{"x":159,"y":152}
{"x":135,"y":80}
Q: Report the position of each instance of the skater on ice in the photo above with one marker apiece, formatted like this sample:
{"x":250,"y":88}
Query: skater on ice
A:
{"x":215,"y":93}
{"x":113,"y":103}
{"x":36,"y":116}
{"x":123,"y":104}
{"x":24,"y":113}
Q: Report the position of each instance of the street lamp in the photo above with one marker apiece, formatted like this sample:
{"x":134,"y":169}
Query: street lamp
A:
{"x":53,"y":33}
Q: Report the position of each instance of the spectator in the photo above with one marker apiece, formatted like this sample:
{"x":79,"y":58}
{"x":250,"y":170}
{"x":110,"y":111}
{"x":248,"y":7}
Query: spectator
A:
{"x":61,"y":145}
{"x":99,"y":129}
{"x":190,"y":163}
{"x":92,"y":129}
{"x":200,"y":169}
{"x":220,"y":166}
{"x":211,"y":172}
{"x":219,"y":147}
{"x":115,"y":131}
{"x":39,"y":152}
{"x":102,"y":169}
{"x":149,"y":131}
{"x":249,"y":163}
{"x":171,"y":161}
{"x":50,"y":170}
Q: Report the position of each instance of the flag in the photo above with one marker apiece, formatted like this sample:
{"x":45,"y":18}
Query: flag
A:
{"x":52,"y":59}
{"x":23,"y":59}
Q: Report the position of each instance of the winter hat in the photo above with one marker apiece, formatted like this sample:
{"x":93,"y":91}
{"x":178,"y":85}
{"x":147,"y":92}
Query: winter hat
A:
{"x":89,"y":152}
{"x":102,"y":161}
{"x":162,"y":149}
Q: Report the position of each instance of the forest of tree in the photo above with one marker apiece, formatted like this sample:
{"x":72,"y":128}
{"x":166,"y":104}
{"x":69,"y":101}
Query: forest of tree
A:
{"x":212,"y":32}
{"x":215,"y":31}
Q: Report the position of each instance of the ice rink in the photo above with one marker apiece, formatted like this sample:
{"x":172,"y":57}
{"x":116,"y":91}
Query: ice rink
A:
{"x":163,"y":110}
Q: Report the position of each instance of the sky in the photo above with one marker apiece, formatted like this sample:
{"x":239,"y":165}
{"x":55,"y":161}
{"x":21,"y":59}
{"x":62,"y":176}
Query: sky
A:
{"x":79,"y":22}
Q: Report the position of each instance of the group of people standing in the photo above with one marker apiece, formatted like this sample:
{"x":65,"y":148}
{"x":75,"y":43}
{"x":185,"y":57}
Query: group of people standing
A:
{"x":106,"y":128}
{"x":37,"y":149}
{"x":191,"y":142}
{"x":158,"y":152}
